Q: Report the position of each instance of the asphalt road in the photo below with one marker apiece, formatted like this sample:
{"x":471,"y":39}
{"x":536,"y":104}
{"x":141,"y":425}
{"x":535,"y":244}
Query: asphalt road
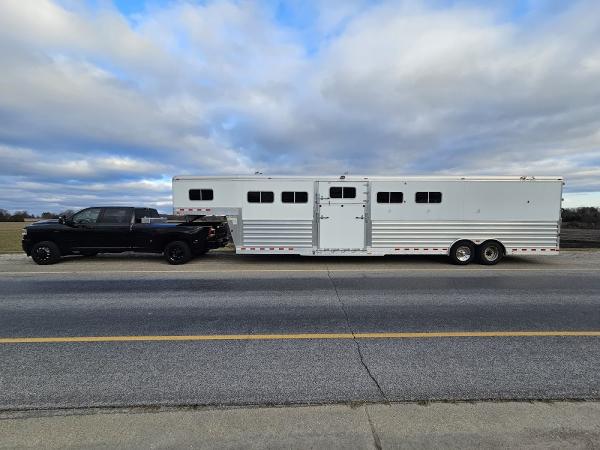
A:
{"x":225,"y":295}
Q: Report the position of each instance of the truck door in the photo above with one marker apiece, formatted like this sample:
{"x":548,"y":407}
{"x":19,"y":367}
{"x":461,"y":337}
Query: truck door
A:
{"x":145,"y":235}
{"x":112,"y":230}
{"x":79,"y":234}
{"x":342,"y":215}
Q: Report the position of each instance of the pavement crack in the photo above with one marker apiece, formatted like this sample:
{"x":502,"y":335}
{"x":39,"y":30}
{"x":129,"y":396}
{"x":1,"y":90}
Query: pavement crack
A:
{"x":376,"y":440}
{"x":356,"y":342}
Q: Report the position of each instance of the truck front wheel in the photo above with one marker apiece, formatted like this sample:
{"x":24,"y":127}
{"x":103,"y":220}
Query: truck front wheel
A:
{"x":45,"y":252}
{"x":177,"y":252}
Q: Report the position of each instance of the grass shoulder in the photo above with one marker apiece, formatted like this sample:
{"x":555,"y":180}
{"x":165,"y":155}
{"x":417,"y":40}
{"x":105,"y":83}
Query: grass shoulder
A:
{"x":10,"y":236}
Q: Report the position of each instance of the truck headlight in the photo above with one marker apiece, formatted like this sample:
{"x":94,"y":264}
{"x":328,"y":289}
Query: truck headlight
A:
{"x":24,"y":232}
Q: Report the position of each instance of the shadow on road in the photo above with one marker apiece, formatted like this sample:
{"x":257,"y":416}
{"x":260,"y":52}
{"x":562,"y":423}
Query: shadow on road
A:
{"x":276,"y":261}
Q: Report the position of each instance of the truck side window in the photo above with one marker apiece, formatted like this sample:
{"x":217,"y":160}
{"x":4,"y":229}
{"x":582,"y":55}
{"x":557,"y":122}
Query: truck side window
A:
{"x":201,"y":194}
{"x":294,"y":197}
{"x":115,"y":216}
{"x":260,"y":197}
{"x":145,"y":212}
{"x":89,"y":215}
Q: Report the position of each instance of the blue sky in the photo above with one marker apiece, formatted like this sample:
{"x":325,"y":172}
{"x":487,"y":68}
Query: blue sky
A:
{"x":103,"y":102}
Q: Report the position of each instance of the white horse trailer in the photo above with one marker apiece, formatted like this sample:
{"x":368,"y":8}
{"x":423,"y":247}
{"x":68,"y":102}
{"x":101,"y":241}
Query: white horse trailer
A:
{"x":463,"y":217}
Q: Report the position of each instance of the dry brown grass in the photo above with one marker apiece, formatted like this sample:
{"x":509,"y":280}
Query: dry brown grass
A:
{"x":10,"y":236}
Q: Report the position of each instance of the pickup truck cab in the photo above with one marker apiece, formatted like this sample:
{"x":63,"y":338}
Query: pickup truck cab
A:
{"x":115,"y":229}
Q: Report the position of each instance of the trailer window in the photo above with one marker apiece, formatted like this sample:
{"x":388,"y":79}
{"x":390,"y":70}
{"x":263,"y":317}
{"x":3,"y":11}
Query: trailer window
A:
{"x":294,"y":197}
{"x":335,"y":192}
{"x":396,"y":197}
{"x":349,"y":192}
{"x":390,"y":197}
{"x":201,"y":194}
{"x":421,"y":197}
{"x":428,"y":197}
{"x":435,"y":197}
{"x":301,"y":197}
{"x":342,"y":192}
{"x":260,"y":197}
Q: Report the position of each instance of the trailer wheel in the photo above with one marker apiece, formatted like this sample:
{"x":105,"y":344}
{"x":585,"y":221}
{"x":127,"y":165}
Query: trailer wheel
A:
{"x":177,"y":252}
{"x":490,"y":253}
{"x":462,"y":253}
{"x":45,"y":252}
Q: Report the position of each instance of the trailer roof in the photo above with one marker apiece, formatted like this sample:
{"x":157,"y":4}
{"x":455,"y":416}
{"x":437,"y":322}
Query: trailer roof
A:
{"x":370,"y":177}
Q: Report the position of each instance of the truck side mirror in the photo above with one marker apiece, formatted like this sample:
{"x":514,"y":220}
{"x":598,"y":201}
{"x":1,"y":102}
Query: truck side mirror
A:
{"x":64,"y":220}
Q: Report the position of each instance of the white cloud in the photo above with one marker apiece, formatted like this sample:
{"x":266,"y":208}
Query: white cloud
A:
{"x":117,"y":105}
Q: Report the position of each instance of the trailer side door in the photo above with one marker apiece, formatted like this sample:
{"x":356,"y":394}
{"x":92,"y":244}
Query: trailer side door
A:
{"x":342,"y":215}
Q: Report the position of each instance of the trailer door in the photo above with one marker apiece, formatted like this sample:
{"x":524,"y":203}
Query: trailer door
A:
{"x":342,"y":208}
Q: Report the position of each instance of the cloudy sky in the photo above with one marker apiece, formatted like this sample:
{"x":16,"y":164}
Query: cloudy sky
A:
{"x":103,"y":102}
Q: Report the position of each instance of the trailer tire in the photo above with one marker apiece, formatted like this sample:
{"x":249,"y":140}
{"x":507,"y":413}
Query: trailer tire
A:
{"x":462,"y":253}
{"x":490,"y":253}
{"x":45,"y":253}
{"x":177,"y":252}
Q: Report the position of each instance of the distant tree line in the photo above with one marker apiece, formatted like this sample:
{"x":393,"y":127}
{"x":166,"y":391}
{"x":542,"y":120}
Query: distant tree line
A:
{"x":584,"y":217}
{"x":20,"y":216}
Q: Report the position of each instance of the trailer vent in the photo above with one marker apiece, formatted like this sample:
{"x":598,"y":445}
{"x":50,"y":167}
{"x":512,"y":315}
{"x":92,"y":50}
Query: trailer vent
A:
{"x":277,"y":233}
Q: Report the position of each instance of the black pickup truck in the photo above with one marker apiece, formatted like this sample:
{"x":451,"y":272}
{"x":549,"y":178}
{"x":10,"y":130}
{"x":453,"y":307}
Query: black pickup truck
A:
{"x":120,"y":229}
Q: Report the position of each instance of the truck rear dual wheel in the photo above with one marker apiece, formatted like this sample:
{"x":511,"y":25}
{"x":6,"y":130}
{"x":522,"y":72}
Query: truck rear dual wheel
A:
{"x":177,"y":252}
{"x":45,"y":252}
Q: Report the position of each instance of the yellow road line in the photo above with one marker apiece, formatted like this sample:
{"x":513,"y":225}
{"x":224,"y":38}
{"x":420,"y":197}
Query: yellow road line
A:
{"x":298,"y":336}
{"x":428,"y":269}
